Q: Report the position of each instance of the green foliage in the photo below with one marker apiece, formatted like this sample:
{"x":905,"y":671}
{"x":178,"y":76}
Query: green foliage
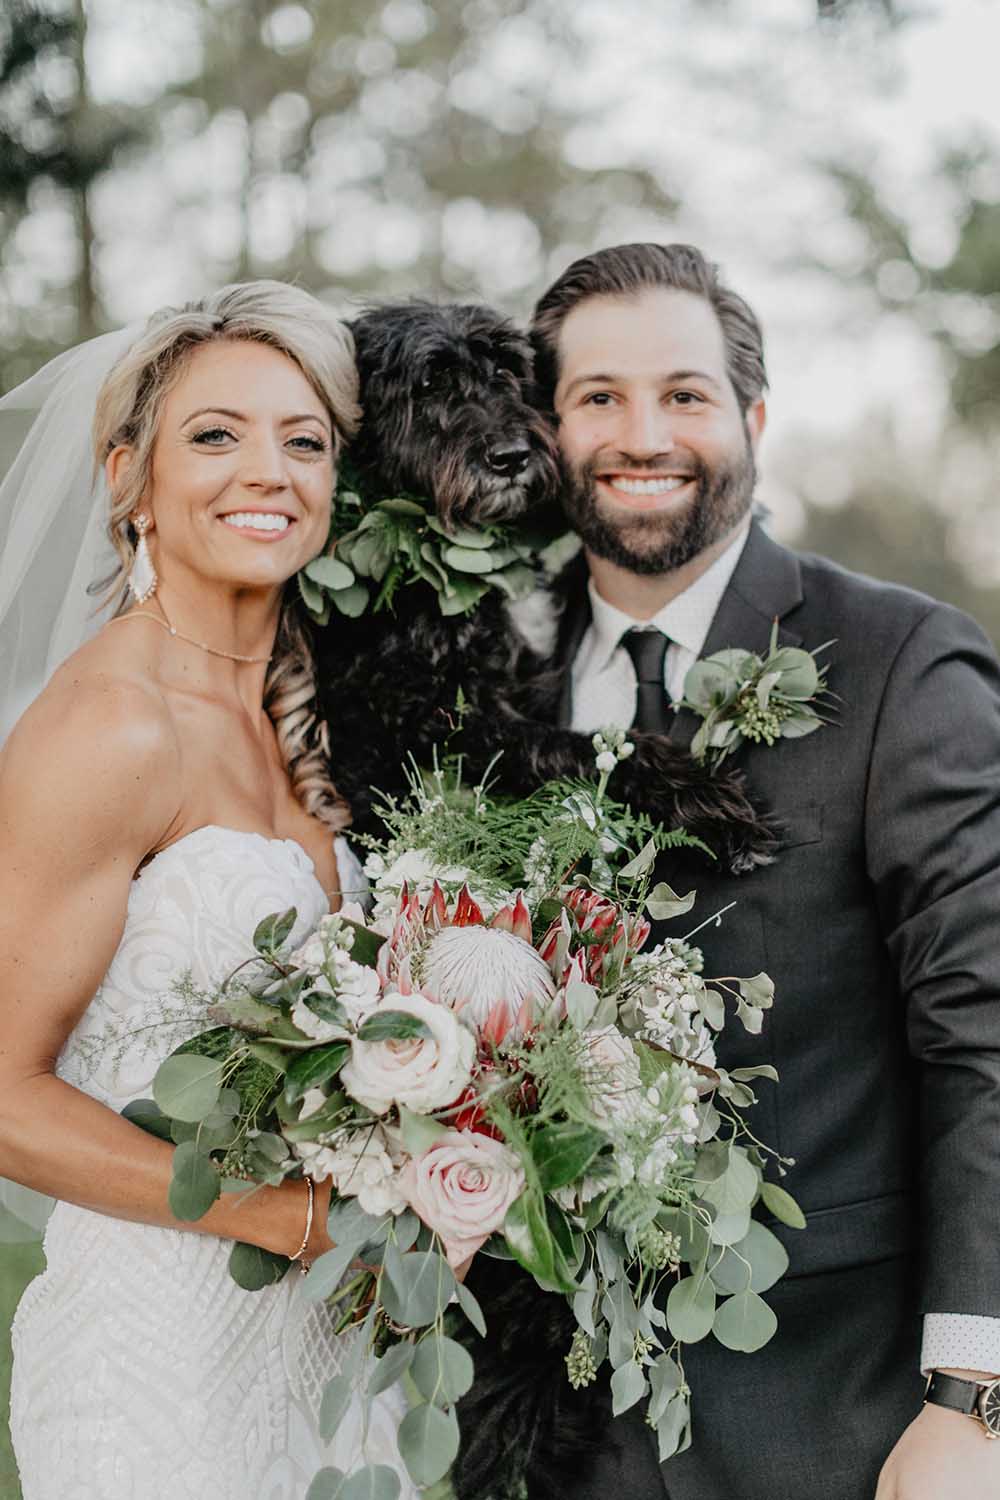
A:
{"x":253,"y":1268}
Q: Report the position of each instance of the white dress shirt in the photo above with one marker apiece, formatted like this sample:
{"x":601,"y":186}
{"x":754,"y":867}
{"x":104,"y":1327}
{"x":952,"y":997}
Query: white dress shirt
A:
{"x":604,"y":693}
{"x":603,"y":676}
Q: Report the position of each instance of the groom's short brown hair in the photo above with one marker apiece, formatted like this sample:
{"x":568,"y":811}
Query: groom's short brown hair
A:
{"x":626,"y":270}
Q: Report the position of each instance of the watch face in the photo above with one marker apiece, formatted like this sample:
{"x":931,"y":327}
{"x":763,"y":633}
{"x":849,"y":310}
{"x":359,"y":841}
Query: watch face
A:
{"x":989,"y":1408}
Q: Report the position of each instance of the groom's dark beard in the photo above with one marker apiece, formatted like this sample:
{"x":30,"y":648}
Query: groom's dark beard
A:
{"x":648,"y":542}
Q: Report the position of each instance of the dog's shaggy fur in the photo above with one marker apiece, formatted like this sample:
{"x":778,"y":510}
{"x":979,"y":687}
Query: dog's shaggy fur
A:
{"x":448,"y":413}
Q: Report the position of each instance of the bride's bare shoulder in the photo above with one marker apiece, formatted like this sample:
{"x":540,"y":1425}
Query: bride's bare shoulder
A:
{"x":99,"y":733}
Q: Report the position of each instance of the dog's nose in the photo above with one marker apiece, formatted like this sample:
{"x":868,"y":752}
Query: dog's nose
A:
{"x":508,"y":458}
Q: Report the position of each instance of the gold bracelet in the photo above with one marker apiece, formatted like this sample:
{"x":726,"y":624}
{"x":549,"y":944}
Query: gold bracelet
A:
{"x":309,"y":1222}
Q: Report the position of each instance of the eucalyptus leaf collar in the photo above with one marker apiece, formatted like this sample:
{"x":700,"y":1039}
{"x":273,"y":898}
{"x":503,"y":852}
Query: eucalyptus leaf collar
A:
{"x":375,"y":548}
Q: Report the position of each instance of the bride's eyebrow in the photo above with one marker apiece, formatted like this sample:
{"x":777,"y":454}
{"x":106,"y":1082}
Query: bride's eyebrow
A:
{"x":239,"y":416}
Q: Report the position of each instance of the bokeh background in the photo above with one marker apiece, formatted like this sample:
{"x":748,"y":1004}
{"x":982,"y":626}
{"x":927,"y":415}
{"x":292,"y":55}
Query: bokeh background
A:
{"x":841,"y":158}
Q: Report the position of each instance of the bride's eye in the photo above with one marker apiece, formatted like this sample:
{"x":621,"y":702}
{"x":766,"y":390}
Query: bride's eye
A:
{"x":307,"y":442}
{"x":211,"y":437}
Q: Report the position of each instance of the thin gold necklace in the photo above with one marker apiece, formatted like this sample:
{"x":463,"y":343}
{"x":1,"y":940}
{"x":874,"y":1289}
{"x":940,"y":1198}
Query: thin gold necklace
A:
{"x":146,"y":614}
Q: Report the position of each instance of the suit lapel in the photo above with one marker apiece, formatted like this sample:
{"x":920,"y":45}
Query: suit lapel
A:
{"x":766,"y":585}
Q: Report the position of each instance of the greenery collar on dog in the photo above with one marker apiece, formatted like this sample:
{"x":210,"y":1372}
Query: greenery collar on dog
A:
{"x":375,"y":549}
{"x":742,"y":696}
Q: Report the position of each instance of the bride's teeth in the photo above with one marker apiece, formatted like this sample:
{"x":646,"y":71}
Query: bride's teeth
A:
{"x":257,"y":521}
{"x":659,"y":486}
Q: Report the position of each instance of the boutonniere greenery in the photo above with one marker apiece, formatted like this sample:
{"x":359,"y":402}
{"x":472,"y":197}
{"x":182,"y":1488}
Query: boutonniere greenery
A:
{"x":742,"y":696}
{"x":374,"y":549}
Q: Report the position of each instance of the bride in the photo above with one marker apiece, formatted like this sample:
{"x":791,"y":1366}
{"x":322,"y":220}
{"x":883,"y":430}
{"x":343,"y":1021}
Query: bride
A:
{"x":167,"y":790}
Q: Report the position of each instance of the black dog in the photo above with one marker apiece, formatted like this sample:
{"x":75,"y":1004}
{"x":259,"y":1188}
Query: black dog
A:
{"x":449,"y":414}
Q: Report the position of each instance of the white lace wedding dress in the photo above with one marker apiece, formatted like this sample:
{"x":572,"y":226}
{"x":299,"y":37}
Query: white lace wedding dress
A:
{"x":141,"y":1370}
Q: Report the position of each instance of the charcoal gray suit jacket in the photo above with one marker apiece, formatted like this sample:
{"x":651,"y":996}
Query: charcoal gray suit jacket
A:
{"x":879,"y":923}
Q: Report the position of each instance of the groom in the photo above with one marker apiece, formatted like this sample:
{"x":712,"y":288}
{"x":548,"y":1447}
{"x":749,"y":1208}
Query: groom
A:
{"x":879,"y":920}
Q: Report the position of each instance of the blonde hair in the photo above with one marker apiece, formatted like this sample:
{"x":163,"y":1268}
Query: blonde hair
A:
{"x":129,"y":408}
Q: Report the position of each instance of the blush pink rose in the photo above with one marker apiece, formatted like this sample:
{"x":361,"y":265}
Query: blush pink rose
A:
{"x":462,"y":1188}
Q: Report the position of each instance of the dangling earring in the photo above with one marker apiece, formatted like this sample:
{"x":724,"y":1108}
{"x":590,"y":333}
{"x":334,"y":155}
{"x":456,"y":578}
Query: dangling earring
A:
{"x":142,"y":579}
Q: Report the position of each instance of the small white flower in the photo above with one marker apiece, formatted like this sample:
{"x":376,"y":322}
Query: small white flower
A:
{"x":360,"y":1166}
{"x":607,"y":760}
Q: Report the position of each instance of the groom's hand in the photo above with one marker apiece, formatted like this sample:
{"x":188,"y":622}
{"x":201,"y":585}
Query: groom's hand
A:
{"x":942,"y":1455}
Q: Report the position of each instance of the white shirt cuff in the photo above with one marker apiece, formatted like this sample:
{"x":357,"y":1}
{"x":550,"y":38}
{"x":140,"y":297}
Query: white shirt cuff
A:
{"x":960,"y":1341}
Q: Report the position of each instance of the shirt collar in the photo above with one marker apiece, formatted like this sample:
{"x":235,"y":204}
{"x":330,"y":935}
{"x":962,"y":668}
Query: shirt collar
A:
{"x":687,"y":617}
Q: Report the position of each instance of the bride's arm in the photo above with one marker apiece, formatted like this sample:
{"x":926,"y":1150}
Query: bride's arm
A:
{"x":89,"y":785}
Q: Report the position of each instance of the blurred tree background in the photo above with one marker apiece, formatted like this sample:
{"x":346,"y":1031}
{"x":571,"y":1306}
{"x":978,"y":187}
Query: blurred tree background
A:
{"x":828,"y":152}
{"x":841,"y":158}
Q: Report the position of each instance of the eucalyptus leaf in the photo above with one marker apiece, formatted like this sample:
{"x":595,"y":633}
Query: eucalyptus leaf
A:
{"x":327,"y":1007}
{"x":351,"y":601}
{"x":393,"y":1365}
{"x":392,"y":1026}
{"x":691,"y":1308}
{"x":460,"y":596}
{"x":797,"y":726}
{"x":328,"y":1271}
{"x":729,"y":1228}
{"x":782,"y":1205}
{"x":665,"y":1380}
{"x":798,"y":672}
{"x":712,"y":1007}
{"x":423,"y":1290}
{"x":418,"y":1132}
{"x":763,"y":1070}
{"x":757,"y":1261}
{"x":271,"y":932}
{"x":348,"y":1224}
{"x":628,"y":1385}
{"x":582,"y":1001}
{"x":671,"y":1430}
{"x":471,"y":1308}
{"x":330,"y":572}
{"x":405,"y":1229}
{"x":428,"y":1443}
{"x":253,"y":1268}
{"x":708,"y":683}
{"x":469,"y":559}
{"x":194,"y":1186}
{"x":663,"y":904}
{"x":335,"y":1404}
{"x":187,"y":1087}
{"x":328,"y":1483}
{"x":744,"y":1322}
{"x":148,"y":1115}
{"x":751,"y":1016}
{"x":270,"y":1053}
{"x":642,"y":862}
{"x":562,"y":1152}
{"x":312,"y":1069}
{"x":312,"y":595}
{"x":758,"y":991}
{"x":737,"y":1187}
{"x":366,"y":944}
{"x":373,"y":1482}
{"x":442,"y":1370}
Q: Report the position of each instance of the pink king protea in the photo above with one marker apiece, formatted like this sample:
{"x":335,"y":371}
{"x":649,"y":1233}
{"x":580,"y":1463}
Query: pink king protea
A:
{"x":488,"y":973}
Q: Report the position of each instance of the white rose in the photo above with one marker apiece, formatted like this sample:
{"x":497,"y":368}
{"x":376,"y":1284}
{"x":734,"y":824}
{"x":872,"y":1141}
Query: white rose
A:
{"x":356,"y":987}
{"x":424,"y":1073}
{"x":462,"y":1188}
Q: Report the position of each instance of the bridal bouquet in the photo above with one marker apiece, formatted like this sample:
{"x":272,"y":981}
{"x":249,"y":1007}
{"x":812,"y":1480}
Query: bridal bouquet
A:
{"x":495,"y":1062}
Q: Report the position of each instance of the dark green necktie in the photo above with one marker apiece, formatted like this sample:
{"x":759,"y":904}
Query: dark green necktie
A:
{"x":648,"y":649}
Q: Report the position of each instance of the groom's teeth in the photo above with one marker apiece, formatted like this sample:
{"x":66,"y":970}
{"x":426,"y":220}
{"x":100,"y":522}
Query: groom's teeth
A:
{"x":257,"y":521}
{"x":659,"y":486}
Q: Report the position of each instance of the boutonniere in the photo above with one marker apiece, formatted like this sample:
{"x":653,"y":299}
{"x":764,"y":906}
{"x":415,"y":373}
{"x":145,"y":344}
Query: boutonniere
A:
{"x":743,"y":696}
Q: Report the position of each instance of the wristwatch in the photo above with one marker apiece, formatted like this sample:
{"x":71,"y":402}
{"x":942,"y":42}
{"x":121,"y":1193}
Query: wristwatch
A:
{"x":978,"y":1400}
